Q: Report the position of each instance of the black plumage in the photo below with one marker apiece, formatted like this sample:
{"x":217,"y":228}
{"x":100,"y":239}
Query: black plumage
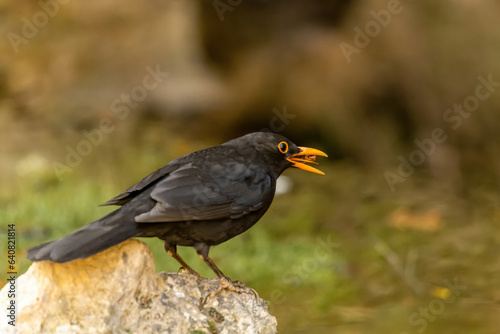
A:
{"x":199,"y":200}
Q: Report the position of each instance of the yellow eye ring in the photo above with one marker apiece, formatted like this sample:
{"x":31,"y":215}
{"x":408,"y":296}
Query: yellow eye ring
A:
{"x":283,"y":147}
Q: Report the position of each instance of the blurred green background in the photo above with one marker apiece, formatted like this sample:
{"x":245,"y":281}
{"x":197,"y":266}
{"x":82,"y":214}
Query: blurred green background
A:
{"x":400,"y":236}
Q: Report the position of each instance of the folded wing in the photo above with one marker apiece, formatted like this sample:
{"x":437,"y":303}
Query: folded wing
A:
{"x":191,"y":194}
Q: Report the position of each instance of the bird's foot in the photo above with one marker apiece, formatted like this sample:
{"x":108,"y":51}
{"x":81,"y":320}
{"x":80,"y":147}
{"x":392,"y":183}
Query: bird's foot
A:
{"x":190,"y":271}
{"x":233,"y":286}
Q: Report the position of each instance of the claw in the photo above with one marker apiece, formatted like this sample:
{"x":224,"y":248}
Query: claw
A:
{"x":227,"y":284}
{"x":183,"y":270}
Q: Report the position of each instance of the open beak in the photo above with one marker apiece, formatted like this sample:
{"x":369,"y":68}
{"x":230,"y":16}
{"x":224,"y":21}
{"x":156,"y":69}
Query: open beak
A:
{"x":307,"y":155}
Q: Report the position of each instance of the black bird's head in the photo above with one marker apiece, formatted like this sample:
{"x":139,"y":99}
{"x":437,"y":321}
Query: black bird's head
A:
{"x":278,"y":152}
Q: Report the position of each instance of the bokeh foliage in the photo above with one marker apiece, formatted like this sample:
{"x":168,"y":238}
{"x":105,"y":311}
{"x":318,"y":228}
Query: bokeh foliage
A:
{"x":394,"y":250}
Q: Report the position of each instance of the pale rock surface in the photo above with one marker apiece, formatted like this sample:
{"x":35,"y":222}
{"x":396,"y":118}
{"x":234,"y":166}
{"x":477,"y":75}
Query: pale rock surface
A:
{"x":118,"y":291}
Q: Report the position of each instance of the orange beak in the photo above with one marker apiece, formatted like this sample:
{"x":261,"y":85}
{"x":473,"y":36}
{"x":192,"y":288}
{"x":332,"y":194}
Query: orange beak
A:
{"x":307,"y":155}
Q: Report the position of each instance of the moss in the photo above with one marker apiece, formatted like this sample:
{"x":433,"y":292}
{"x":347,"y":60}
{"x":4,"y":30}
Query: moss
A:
{"x":216,"y":315}
{"x":212,"y":327}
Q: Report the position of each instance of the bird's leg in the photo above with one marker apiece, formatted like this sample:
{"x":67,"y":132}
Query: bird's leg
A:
{"x":225,"y":282}
{"x":215,"y":269}
{"x":172,"y":251}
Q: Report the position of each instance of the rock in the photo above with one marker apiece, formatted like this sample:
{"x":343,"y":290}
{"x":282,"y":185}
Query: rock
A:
{"x":118,"y":291}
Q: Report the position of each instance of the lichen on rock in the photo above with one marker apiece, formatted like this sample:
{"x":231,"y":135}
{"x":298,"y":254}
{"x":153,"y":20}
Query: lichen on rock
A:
{"x":118,"y":291}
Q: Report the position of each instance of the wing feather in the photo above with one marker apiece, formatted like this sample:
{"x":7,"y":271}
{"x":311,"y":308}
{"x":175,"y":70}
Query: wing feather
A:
{"x":187,"y":194}
{"x":137,"y":188}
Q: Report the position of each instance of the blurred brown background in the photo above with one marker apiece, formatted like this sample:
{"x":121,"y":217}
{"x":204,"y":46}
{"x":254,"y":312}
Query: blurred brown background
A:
{"x":365,"y":81}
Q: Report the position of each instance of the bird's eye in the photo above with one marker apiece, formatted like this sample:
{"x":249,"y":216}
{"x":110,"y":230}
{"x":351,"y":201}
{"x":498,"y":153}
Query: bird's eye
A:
{"x":283,"y":147}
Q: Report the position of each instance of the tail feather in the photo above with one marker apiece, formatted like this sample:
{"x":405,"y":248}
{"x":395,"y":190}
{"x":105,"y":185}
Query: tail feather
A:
{"x":106,"y":232}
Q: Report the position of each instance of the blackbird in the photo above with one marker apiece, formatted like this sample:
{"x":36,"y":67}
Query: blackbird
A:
{"x":199,"y":200}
